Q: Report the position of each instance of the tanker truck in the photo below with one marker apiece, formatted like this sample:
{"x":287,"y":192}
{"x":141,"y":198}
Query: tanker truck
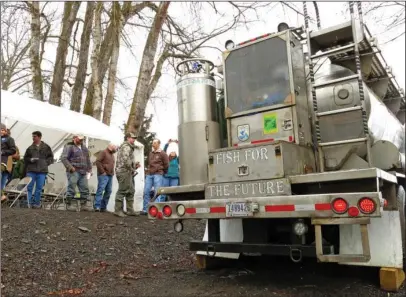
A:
{"x":290,"y":155}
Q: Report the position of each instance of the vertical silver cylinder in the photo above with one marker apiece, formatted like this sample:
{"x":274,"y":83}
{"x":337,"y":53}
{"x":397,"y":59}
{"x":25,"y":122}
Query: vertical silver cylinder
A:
{"x":198,"y":129}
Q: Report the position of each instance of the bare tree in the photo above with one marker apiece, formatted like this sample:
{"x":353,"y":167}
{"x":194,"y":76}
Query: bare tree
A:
{"x":68,"y":21}
{"x":37,"y":87}
{"x":128,"y":11}
{"x":142,"y":90}
{"x":83,"y":58}
{"x":117,"y":20}
{"x":97,"y":102}
{"x":15,"y":46}
{"x":390,"y":15}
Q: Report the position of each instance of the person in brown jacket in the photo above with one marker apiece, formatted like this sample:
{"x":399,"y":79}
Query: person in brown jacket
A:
{"x":158,"y":163}
{"x":105,"y":171}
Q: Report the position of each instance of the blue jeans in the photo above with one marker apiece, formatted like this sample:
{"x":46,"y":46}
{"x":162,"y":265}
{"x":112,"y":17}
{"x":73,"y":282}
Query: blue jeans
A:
{"x":171,"y":181}
{"x":4,"y":179}
{"x":79,"y":180}
{"x":104,"y":183}
{"x":156,"y":181}
{"x":37,"y":178}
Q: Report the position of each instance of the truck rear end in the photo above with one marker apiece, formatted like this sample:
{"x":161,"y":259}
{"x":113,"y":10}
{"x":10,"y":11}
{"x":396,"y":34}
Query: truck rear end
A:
{"x":270,"y":190}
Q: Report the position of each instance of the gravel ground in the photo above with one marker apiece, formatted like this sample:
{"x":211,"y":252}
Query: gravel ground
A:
{"x":59,"y":253}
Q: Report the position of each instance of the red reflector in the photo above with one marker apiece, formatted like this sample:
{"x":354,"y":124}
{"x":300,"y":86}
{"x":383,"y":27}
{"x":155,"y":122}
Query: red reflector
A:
{"x":190,"y":210}
{"x":385,"y":203}
{"x":262,"y":141}
{"x":290,"y":138}
{"x":218,"y":209}
{"x":167,"y":211}
{"x":279,"y":208}
{"x":153,"y":211}
{"x":353,"y":211}
{"x":340,"y":205}
{"x":322,"y":206}
{"x":366,"y":205}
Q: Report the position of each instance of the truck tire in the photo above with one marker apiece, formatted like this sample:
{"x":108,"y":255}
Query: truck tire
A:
{"x":401,"y":198}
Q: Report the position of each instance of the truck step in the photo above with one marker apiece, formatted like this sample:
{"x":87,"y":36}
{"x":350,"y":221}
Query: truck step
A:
{"x":348,"y":141}
{"x":338,"y":111}
{"x":334,"y":81}
{"x":334,"y":51}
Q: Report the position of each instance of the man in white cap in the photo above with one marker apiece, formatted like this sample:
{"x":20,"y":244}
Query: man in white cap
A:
{"x":76,"y":158}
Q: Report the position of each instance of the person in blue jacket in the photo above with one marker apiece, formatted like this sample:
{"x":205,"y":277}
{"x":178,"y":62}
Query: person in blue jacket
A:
{"x":172,"y":176}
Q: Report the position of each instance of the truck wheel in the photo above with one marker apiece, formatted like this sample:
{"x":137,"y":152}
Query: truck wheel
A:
{"x":402,"y":213}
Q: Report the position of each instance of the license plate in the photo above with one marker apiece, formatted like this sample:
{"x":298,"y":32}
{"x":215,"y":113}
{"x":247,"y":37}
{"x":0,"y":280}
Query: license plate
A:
{"x":238,"y":209}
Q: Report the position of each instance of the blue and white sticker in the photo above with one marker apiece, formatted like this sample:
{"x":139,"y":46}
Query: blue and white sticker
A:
{"x":243,"y":132}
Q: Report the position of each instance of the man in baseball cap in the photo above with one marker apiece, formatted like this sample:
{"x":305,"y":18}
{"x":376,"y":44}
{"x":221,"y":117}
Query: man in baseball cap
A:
{"x":76,"y":158}
{"x":126,"y":169}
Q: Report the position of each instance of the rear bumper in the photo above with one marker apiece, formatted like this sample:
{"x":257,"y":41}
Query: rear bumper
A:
{"x":264,"y":249}
{"x":294,"y":206}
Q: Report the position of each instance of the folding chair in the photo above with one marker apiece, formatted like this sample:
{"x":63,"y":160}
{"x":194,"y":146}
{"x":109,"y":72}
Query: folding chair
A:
{"x":20,"y":190}
{"x":92,"y":195}
{"x":46,"y":197}
{"x":10,"y":186}
{"x":58,"y":194}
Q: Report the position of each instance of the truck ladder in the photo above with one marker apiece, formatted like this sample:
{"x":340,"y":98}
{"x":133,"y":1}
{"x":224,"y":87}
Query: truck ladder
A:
{"x":339,"y":49}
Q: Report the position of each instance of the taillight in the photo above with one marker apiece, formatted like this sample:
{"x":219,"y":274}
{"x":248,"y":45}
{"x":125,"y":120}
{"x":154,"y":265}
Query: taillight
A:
{"x":339,"y":205}
{"x":366,"y":205}
{"x":167,"y":211}
{"x":353,"y":211}
{"x":153,"y":211}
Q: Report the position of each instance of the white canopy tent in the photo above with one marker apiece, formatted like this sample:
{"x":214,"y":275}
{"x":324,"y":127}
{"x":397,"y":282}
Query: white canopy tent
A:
{"x":23,"y":115}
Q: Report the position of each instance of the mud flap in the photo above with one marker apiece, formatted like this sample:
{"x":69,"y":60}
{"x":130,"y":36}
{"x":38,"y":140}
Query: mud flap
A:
{"x":384,"y":240}
{"x":230,"y":231}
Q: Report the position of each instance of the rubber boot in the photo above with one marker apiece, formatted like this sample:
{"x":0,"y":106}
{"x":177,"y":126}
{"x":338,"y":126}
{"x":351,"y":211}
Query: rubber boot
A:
{"x":69,"y":205}
{"x":118,"y":209}
{"x":130,"y":208}
{"x":84,"y":206}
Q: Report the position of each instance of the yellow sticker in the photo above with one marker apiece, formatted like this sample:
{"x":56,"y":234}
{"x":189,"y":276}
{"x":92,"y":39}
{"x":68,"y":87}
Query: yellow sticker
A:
{"x":270,"y":123}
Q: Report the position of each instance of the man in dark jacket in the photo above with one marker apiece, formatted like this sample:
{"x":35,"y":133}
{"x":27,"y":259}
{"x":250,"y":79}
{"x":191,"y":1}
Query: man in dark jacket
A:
{"x":8,"y":148}
{"x":105,"y":171}
{"x":76,"y":159}
{"x":158,"y":164}
{"x":37,"y":158}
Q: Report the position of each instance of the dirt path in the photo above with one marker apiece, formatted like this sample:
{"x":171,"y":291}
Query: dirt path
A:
{"x":47,"y":253}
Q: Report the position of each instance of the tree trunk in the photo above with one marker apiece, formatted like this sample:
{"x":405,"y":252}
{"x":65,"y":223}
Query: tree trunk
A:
{"x":128,"y":11}
{"x":108,"y":103}
{"x":37,"y":87}
{"x":69,"y":18}
{"x":142,"y":91}
{"x":97,"y":102}
{"x":83,"y":59}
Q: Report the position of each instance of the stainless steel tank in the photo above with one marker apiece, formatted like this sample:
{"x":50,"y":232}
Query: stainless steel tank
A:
{"x":386,"y":131}
{"x":198,"y":129}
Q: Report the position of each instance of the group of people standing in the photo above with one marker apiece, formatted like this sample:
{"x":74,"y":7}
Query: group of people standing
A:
{"x":34,"y":164}
{"x":161,"y":171}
